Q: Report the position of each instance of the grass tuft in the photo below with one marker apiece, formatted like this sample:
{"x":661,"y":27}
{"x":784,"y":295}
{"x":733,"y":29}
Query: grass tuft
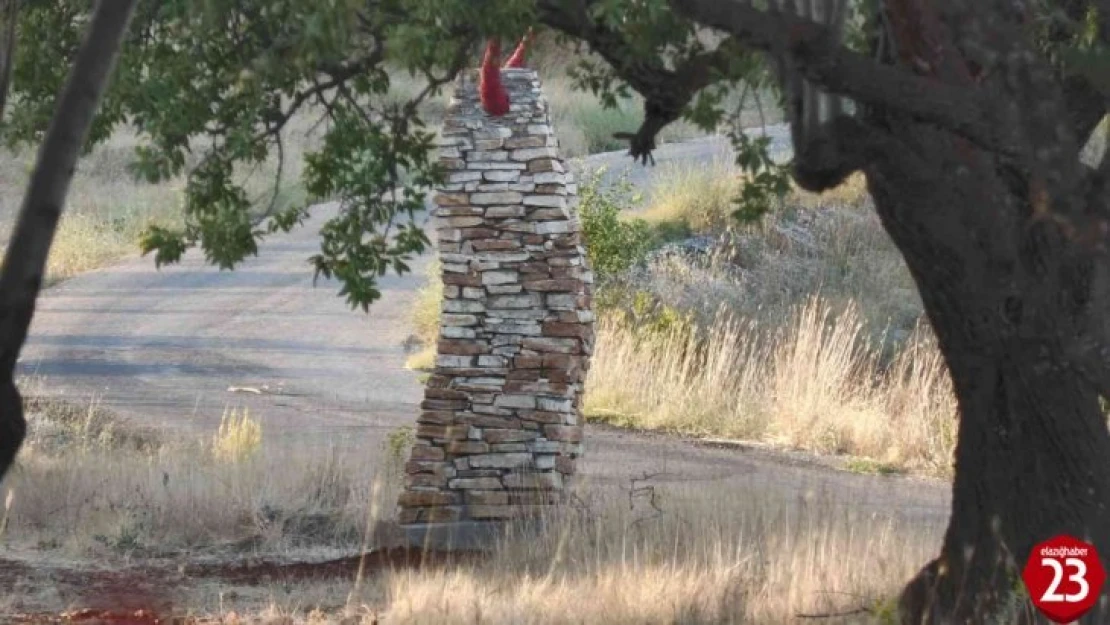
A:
{"x":696,"y":198}
{"x":239,"y":436}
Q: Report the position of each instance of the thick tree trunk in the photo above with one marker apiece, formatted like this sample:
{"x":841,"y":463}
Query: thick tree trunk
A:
{"x":1033,"y":453}
{"x":1030,"y":464}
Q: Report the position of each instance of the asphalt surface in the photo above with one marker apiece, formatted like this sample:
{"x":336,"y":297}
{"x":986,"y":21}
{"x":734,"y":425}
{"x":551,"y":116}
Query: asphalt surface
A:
{"x":173,"y":348}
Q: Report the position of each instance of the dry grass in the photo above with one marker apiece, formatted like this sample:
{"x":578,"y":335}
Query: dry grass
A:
{"x":238,"y":438}
{"x":425,"y":320}
{"x":91,"y":489}
{"x":698,"y":198}
{"x":88,"y":485}
{"x":705,"y":557}
{"x":737,"y":557}
{"x":806,"y":331}
{"x":852,"y":193}
{"x":816,"y":384}
{"x":108,"y":209}
{"x":693,"y":554}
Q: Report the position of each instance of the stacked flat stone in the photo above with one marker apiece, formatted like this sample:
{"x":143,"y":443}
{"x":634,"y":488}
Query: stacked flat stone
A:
{"x":501,"y":422}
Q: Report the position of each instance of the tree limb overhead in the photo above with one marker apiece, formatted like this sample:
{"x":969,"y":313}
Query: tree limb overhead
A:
{"x":841,"y":71}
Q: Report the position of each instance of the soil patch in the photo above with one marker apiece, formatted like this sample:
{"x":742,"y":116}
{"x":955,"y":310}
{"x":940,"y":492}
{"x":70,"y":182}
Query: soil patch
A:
{"x":146,"y":593}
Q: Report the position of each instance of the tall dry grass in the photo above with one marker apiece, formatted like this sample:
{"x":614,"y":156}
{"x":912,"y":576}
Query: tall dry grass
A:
{"x":89,"y":489}
{"x":425,"y":320}
{"x":699,"y":198}
{"x":705,"y":556}
{"x":87,"y":485}
{"x":816,"y":383}
{"x":107,"y":208}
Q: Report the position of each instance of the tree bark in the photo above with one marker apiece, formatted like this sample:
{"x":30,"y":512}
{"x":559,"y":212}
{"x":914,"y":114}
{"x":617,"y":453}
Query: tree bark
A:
{"x":25,"y":260}
{"x":1033,"y":453}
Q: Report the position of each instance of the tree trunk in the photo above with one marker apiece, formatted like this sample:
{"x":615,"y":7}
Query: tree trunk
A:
{"x":1031,"y":442}
{"x":1033,"y":453}
{"x":25,"y":260}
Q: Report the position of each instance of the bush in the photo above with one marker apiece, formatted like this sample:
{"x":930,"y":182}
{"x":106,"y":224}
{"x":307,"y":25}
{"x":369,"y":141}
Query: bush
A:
{"x":613,"y":245}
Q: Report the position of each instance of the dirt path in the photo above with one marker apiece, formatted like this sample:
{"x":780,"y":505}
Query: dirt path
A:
{"x":163,"y":348}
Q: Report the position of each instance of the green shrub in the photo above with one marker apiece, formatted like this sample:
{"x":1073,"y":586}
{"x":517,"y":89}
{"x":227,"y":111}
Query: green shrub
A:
{"x":613,"y":245}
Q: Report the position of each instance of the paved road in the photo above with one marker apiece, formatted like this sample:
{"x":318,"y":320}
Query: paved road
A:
{"x":162,"y":348}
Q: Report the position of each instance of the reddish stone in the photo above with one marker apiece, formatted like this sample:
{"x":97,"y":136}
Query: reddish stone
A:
{"x":564,"y":433}
{"x":490,"y":421}
{"x":427,"y":452}
{"x":436,"y":417}
{"x":452,"y":199}
{"x":527,"y":362}
{"x":443,"y":404}
{"x":541,"y":164}
{"x":443,"y":393}
{"x":424,"y":430}
{"x":462,"y":348}
{"x":575,"y":330}
{"x":496,"y":245}
{"x":524,"y":374}
{"x":513,"y":143}
{"x":545,"y":344}
{"x":417,"y":499}
{"x":542,"y":416}
{"x":435,"y":467}
{"x":477,"y":233}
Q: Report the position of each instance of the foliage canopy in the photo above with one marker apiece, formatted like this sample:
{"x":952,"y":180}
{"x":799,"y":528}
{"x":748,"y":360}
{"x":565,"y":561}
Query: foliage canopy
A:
{"x":210,"y":85}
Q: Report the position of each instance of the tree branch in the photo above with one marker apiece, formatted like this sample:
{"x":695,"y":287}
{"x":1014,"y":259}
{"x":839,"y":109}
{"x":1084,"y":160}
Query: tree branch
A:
{"x":840,"y":71}
{"x":666,"y":92}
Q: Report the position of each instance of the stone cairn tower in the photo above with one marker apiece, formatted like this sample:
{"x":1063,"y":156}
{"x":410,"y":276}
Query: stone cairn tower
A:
{"x":501,"y":423}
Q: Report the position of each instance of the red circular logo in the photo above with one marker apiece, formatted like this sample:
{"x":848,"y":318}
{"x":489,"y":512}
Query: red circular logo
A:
{"x":1064,"y":577}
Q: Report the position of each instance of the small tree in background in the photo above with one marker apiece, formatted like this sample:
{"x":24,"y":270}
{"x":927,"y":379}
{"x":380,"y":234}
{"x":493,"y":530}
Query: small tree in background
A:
{"x":25,"y":259}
